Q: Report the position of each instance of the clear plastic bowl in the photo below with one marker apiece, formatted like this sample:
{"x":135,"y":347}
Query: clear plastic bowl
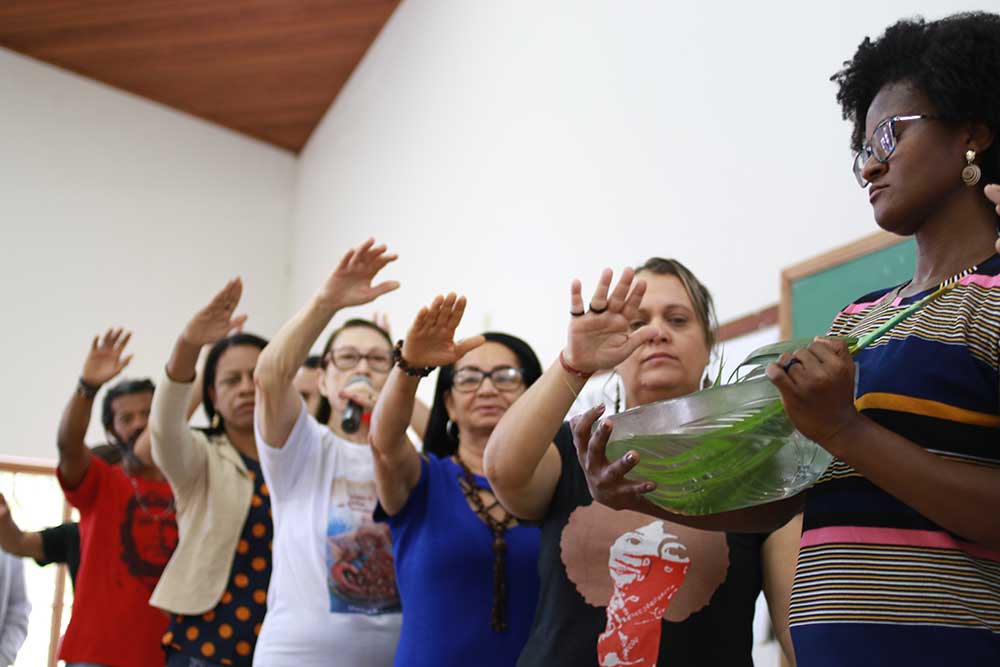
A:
{"x":725,"y":448}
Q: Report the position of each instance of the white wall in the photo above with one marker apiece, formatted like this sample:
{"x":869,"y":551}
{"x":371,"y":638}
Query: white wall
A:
{"x":503,"y":148}
{"x":118,"y":211}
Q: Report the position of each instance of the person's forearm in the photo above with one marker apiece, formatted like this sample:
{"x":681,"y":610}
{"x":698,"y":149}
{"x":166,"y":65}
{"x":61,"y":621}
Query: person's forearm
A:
{"x":181,"y":367}
{"x":397,"y":464}
{"x":73,"y":452}
{"x":946,"y":492}
{"x":420,"y":416}
{"x":24,"y":545}
{"x":15,"y":541}
{"x":287,"y":351}
{"x":278,"y":404}
{"x":389,"y":418}
{"x":522,"y":437}
{"x":73,"y":425}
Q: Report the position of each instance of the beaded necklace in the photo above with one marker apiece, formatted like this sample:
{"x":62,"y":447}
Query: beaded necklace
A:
{"x":471,"y":490}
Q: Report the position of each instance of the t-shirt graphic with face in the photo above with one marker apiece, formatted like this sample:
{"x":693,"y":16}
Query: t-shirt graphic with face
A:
{"x":360,"y":573}
{"x":621,"y":588}
{"x":148,"y":535}
{"x":647,"y":565}
{"x":642,"y":576}
{"x":128,"y":530}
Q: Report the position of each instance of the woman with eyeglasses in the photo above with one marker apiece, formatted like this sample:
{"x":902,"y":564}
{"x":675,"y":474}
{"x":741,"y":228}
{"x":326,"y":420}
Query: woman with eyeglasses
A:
{"x":459,"y":554}
{"x":333,"y":596}
{"x":900,"y":550}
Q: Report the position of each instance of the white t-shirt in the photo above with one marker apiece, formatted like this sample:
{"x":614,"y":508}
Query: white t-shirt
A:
{"x":332,"y":598}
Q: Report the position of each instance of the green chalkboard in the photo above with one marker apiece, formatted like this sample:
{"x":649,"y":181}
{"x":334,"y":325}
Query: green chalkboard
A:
{"x":818,"y":297}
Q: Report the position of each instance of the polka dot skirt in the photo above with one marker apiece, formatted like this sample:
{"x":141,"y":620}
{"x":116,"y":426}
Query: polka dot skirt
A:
{"x":227,"y":634}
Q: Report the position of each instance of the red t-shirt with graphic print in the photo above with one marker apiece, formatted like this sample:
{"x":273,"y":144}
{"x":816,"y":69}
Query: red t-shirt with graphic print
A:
{"x":128,"y":530}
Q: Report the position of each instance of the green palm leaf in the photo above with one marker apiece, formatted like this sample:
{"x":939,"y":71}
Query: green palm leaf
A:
{"x":730,"y":446}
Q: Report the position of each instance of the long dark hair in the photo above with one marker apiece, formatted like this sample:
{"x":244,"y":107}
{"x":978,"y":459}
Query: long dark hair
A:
{"x":439,"y":439}
{"x":218,"y":426}
{"x":324,"y":409}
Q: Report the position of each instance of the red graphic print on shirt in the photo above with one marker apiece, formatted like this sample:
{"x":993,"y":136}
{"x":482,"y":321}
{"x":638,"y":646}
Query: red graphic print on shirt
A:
{"x":647,"y":565}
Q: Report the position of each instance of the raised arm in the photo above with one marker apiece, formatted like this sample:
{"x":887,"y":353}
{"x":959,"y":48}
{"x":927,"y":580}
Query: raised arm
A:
{"x":521,"y":462}
{"x":143,"y":448}
{"x":278,"y":404}
{"x":173,"y":448}
{"x":104,"y":361}
{"x":430,"y":342}
{"x":15,"y":541}
{"x":420,"y":417}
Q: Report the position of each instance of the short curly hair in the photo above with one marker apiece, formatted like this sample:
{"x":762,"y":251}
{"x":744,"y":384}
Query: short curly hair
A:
{"x":955,"y":61}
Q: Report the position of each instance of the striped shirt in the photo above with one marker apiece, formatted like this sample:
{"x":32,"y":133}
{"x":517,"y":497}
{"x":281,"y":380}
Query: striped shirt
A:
{"x":877,"y":583}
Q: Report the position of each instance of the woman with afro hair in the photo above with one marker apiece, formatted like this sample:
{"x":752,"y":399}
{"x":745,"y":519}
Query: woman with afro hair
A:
{"x":900,"y":550}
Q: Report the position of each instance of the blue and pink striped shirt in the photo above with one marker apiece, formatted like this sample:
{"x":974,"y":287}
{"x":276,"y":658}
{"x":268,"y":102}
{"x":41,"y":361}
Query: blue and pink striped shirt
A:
{"x":877,"y":583}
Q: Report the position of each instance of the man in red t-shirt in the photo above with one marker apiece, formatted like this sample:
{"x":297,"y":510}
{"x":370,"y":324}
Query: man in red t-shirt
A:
{"x":127,"y":525}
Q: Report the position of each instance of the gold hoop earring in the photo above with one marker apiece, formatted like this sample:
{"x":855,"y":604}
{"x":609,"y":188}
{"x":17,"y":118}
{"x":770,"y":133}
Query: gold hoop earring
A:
{"x":972,"y":173}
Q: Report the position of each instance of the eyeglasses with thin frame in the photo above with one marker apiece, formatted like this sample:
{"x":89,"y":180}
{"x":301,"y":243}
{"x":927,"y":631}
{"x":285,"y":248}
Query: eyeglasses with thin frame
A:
{"x":881,"y":145}
{"x":504,"y":378}
{"x":346,"y":358}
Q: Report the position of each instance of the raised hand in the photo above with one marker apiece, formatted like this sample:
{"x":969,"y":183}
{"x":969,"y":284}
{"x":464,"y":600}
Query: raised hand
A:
{"x":215,"y":321}
{"x":105,"y":359}
{"x":431,"y":338}
{"x":993,"y":194}
{"x":351,"y":282}
{"x":601,"y":336}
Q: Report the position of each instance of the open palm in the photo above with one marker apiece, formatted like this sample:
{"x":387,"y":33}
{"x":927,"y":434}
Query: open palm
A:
{"x":351,"y":282}
{"x":214,"y":322}
{"x":106,"y":357}
{"x":431,"y":339}
{"x":602,"y":337}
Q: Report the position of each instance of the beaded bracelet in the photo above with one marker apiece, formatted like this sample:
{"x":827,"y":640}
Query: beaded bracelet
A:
{"x":397,"y":358}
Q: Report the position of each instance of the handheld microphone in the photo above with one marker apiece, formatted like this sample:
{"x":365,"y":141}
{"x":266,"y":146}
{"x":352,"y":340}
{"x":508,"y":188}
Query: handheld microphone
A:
{"x":353,"y":412}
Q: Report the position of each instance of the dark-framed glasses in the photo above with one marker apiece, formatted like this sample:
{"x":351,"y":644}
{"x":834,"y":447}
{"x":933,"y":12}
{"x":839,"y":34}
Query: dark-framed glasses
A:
{"x":505,"y":378}
{"x":882,"y":144}
{"x":345,"y":358}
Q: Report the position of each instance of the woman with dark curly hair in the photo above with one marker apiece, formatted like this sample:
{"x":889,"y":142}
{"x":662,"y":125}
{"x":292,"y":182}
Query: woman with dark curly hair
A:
{"x":900,"y":551}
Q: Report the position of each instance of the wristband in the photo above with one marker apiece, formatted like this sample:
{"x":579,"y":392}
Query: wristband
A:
{"x":86,"y":390}
{"x":572,"y":371}
{"x":397,"y":358}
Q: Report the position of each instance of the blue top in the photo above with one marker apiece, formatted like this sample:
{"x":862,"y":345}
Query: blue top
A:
{"x":444,"y":570}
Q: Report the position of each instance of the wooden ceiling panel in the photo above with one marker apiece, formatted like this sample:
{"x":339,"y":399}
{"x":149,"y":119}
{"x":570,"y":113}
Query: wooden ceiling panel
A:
{"x":267,"y":68}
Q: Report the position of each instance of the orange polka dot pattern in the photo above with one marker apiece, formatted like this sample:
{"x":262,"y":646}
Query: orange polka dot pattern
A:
{"x":228,"y":633}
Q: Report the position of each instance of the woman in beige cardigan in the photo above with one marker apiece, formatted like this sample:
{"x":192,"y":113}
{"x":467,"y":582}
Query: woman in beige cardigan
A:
{"x":215,"y":586}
